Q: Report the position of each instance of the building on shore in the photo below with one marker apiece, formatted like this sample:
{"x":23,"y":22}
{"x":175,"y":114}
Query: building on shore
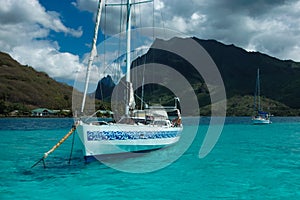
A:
{"x":43,"y":112}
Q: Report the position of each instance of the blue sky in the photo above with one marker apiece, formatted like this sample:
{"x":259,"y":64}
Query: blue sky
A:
{"x":54,"y":36}
{"x":73,"y":18}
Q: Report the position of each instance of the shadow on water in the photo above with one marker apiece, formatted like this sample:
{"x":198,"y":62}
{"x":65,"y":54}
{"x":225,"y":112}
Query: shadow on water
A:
{"x":60,"y":168}
{"x":56,"y":167}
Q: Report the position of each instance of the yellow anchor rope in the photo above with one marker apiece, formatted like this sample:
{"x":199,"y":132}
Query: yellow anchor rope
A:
{"x":56,"y":146}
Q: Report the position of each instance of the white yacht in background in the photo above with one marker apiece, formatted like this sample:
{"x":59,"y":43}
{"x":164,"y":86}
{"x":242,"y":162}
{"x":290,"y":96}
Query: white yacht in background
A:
{"x":260,"y":117}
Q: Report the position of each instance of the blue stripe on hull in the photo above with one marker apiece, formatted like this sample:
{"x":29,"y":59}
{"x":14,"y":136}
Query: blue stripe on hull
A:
{"x":134,"y":135}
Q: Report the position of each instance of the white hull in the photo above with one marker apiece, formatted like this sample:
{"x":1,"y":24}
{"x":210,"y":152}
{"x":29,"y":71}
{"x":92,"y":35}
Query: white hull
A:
{"x":261,"y":117}
{"x":121,"y":138}
{"x":261,"y":121}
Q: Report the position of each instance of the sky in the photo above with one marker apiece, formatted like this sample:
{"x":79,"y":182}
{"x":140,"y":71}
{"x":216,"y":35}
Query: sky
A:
{"x":55,"y":36}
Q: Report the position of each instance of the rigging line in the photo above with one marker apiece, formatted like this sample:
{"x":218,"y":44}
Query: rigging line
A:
{"x":151,"y":50}
{"x":72,"y":147}
{"x":142,"y":95}
{"x":133,"y":45}
{"x":119,"y":41}
{"x":134,"y":3}
{"x":139,"y":10}
{"x":140,"y":14}
{"x":133,"y":18}
{"x":122,"y":21}
{"x":258,"y":88}
{"x":255,"y":96}
{"x":104,"y":47}
{"x":153,"y":21}
{"x":124,"y":4}
{"x":163,"y":22}
{"x":140,"y":99}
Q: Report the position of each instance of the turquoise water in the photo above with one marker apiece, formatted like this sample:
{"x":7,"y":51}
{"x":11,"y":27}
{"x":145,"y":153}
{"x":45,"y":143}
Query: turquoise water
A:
{"x":248,"y":162}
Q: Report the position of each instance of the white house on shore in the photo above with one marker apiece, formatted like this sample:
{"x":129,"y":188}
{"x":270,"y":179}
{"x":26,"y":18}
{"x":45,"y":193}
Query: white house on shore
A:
{"x":42,"y":112}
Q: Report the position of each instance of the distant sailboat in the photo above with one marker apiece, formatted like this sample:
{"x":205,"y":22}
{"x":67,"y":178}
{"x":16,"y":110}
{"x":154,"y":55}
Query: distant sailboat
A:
{"x":138,"y":130}
{"x":260,"y":117}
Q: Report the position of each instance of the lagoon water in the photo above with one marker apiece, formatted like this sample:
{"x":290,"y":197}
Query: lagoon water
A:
{"x":248,"y":162}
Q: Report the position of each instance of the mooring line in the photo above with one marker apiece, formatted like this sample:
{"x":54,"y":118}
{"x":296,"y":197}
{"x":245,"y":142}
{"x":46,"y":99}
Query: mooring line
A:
{"x":72,"y":147}
{"x":56,"y":146}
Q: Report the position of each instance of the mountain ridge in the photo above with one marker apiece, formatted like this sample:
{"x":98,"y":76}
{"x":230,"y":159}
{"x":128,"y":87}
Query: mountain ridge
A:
{"x":280,"y":79}
{"x":23,"y":88}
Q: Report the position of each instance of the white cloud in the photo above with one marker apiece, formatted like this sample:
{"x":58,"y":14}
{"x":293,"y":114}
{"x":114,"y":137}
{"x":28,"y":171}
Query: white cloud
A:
{"x":277,"y":33}
{"x":45,"y":57}
{"x":271,"y":27}
{"x":24,"y":29}
{"x":158,"y":5}
{"x":86,"y":5}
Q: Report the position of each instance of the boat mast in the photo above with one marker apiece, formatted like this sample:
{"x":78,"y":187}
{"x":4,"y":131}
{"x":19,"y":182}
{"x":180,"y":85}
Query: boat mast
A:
{"x":129,"y":96}
{"x":128,"y":61}
{"x":92,"y":54}
{"x":258,"y":89}
{"x":128,"y":38}
{"x":257,"y":93}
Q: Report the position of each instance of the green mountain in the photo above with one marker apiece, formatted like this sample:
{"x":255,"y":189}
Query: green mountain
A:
{"x":280,"y":79}
{"x":23,"y":88}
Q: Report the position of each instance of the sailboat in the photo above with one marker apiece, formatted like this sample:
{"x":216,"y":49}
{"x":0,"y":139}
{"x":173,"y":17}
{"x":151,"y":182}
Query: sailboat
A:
{"x":260,"y":117}
{"x":137,"y":130}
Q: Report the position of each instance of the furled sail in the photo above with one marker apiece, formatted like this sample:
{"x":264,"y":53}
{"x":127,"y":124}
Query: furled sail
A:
{"x":131,"y":101}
